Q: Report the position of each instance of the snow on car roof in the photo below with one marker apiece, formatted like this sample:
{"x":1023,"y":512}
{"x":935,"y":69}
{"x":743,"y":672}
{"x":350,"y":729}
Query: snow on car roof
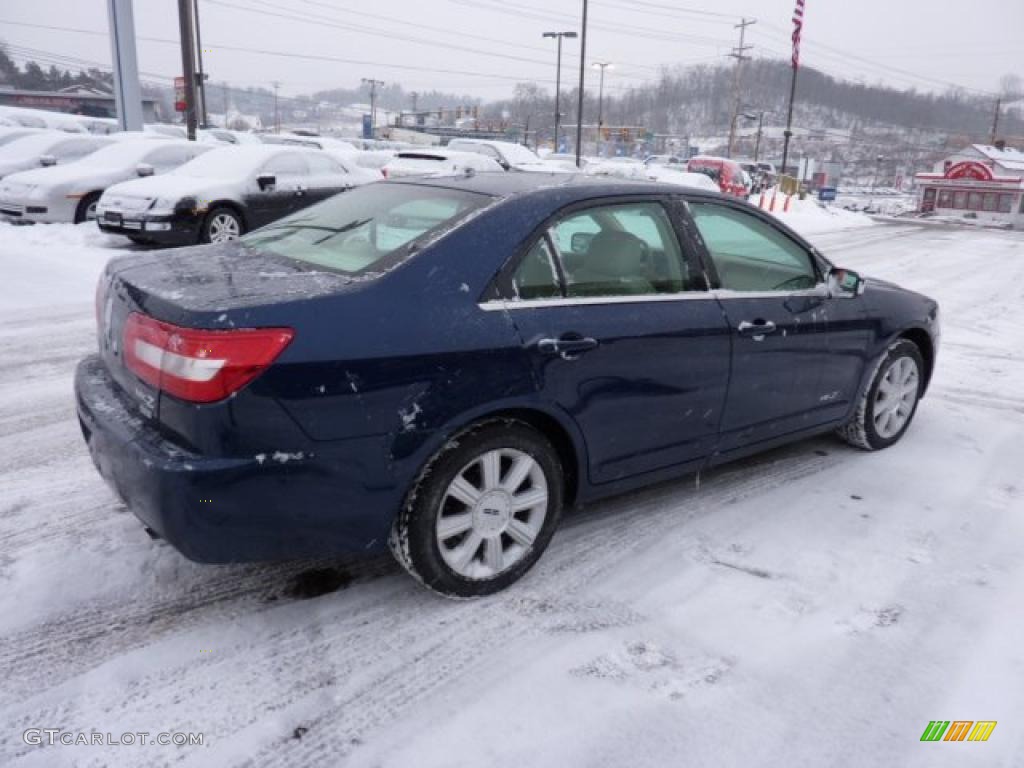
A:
{"x":235,"y":162}
{"x":40,"y":143}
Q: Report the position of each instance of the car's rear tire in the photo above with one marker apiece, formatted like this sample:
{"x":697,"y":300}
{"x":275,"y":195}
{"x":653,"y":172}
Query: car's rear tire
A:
{"x":889,"y":403}
{"x":86,"y":210}
{"x":482,"y":511}
{"x":222,"y":225}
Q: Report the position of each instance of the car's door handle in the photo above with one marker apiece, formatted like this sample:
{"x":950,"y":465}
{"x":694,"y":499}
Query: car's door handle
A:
{"x":568,"y":348}
{"x":757,"y":330}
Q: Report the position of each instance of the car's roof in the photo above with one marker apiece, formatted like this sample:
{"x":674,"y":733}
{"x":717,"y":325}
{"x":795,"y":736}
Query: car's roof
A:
{"x":518,"y":184}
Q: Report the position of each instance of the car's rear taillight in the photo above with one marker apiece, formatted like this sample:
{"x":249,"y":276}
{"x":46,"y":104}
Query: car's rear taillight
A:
{"x":384,"y":172}
{"x":198,"y":365}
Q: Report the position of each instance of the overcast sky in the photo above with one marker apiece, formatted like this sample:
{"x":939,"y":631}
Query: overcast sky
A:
{"x":482,"y":47}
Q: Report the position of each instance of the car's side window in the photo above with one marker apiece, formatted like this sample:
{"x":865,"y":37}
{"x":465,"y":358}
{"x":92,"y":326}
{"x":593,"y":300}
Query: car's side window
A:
{"x":286,"y":165}
{"x":620,"y":250}
{"x":749,"y":254}
{"x":535,"y":277}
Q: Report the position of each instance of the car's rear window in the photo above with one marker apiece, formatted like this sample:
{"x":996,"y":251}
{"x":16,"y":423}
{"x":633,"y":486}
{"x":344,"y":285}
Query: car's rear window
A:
{"x":368,"y":228}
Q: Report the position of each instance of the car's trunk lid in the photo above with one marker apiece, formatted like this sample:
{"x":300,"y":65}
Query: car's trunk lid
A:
{"x":214,"y":287}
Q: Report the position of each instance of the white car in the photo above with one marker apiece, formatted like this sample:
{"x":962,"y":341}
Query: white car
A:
{"x":506,"y":153}
{"x":48,"y":148}
{"x":9,"y":133}
{"x":619,"y":167}
{"x":565,"y":162}
{"x":669,"y":175}
{"x":69,"y":193}
{"x":438,"y":161}
{"x":44,"y":119}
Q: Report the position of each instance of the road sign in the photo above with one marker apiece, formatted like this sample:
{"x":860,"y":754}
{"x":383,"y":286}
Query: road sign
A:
{"x":179,"y":95}
{"x":827,"y":194}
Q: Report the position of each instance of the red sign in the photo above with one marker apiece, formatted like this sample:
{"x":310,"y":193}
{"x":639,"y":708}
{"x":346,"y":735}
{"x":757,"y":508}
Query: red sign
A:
{"x":970,"y":170}
{"x":179,"y":95}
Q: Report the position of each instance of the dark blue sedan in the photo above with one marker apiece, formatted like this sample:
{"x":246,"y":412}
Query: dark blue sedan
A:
{"x":445,"y":365}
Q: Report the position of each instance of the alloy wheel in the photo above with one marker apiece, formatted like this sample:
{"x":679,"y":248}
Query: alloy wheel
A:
{"x":896,"y":396}
{"x":491,"y":513}
{"x":224,"y":227}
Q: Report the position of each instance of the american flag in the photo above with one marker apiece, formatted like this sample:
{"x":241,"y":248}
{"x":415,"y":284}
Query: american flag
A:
{"x":798,"y":26}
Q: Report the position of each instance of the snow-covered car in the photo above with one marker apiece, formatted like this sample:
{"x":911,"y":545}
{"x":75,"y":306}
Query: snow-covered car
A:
{"x":303,"y":140}
{"x":70,"y":193}
{"x":670,"y":175}
{"x":48,"y":148}
{"x":44,"y":119}
{"x":664,"y":160}
{"x":9,"y":133}
{"x":360,"y":174}
{"x":374,"y":159}
{"x":227,"y":136}
{"x":618,"y":167}
{"x":507,"y":154}
{"x":565,"y":162}
{"x":221,"y":195}
{"x":438,"y":161}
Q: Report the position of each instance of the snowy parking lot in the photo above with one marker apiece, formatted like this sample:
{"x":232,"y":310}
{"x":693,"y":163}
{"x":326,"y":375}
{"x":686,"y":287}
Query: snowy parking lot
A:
{"x":814,"y":606}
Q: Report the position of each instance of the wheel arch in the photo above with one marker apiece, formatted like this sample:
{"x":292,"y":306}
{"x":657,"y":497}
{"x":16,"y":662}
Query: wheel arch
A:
{"x":238,"y":209}
{"x":559,"y":430}
{"x":923,"y":341}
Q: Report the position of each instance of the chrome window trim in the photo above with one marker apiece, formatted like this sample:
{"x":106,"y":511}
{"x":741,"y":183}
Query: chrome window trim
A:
{"x":819,"y":290}
{"x":723,"y":294}
{"x":500,"y":305}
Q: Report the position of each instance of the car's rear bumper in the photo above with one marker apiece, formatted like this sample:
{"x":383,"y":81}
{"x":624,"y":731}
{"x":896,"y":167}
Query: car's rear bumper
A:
{"x":270,"y":506}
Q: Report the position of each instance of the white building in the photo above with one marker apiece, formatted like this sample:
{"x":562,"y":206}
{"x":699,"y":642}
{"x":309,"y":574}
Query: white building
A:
{"x":979,"y":182}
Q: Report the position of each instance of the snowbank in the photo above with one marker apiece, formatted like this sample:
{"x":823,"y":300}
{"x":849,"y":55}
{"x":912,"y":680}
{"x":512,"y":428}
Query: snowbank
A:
{"x":809,"y":217}
{"x":47,"y":265}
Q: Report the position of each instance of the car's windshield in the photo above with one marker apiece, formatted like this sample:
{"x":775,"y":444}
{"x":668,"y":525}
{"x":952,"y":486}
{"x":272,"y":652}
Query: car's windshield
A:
{"x":359,"y":230}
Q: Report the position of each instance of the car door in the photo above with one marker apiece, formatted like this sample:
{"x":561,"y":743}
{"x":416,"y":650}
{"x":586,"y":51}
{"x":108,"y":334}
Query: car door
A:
{"x":326,"y":178}
{"x":287,"y":195}
{"x":773,"y":294}
{"x":623,"y":335}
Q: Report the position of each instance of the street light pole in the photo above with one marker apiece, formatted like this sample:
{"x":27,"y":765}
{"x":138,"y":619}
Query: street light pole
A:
{"x":373,"y":103}
{"x":583,"y":72}
{"x":558,"y":79}
{"x":602,"y":65}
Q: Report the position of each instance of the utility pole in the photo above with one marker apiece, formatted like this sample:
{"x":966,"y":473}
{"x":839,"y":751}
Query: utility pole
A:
{"x":995,"y":120}
{"x":373,"y":103}
{"x":201,"y":74}
{"x":558,"y":79}
{"x":127,"y":93}
{"x":415,"y":110}
{"x":583,"y":71}
{"x":188,"y":65}
{"x":277,"y":113}
{"x":740,"y":55}
{"x":602,"y":65}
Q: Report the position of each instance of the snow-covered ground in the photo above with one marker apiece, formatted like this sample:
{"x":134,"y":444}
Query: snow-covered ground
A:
{"x":816,"y":606}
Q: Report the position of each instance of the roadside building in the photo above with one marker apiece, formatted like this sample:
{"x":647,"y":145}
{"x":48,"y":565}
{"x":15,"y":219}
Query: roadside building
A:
{"x":980,"y":181}
{"x":76,"y":100}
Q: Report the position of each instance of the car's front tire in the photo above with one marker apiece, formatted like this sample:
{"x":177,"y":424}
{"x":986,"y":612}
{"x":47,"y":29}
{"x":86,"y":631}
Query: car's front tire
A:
{"x":888,"y":405}
{"x":482,"y":511}
{"x":86,"y":210}
{"x":222,"y":225}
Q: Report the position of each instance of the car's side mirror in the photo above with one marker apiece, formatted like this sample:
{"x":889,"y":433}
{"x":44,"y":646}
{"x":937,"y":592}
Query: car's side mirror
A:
{"x":844,"y":283}
{"x":144,"y":169}
{"x":267,"y":182}
{"x":580,"y":242}
{"x":47,"y":160}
